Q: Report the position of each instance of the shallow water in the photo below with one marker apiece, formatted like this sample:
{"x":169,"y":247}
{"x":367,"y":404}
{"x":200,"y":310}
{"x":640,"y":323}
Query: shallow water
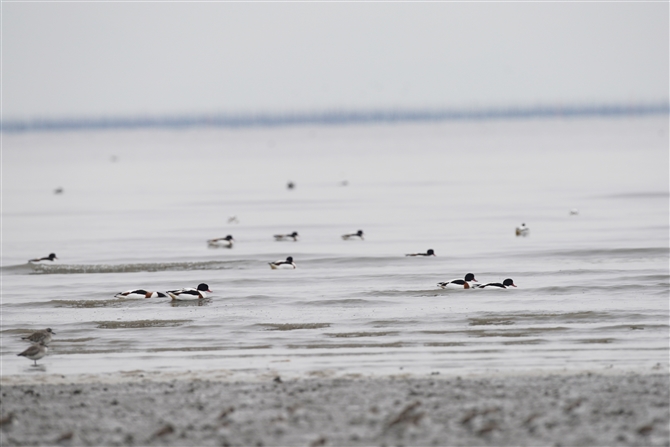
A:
{"x":138,"y":207}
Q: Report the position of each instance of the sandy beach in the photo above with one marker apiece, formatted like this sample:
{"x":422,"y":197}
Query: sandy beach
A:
{"x":568,"y":409}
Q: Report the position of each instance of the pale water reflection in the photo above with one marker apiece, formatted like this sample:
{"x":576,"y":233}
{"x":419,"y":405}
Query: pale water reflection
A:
{"x":592,"y":288}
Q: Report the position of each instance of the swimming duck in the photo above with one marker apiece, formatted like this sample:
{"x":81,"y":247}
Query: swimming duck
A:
{"x":286,"y":237}
{"x":139,"y":293}
{"x":51,"y":257}
{"x":223,"y":242}
{"x":189,"y":293}
{"x":430,"y":252}
{"x":522,"y":230}
{"x":43,"y":336}
{"x":288,"y":264}
{"x":466,"y":283}
{"x":353,"y":236}
{"x":35,"y":352}
{"x":496,"y":285}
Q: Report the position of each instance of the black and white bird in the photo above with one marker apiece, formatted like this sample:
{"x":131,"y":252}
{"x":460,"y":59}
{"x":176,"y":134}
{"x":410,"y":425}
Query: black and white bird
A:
{"x":287,"y":237}
{"x":466,"y":283}
{"x":35,"y":352}
{"x":51,"y":257}
{"x":189,"y":294}
{"x":222,"y":242}
{"x":430,"y":252}
{"x":278,"y":265}
{"x":353,"y":236}
{"x":139,"y":293}
{"x":43,"y":336}
{"x":496,"y":285}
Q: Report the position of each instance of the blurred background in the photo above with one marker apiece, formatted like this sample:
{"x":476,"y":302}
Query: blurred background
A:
{"x":134,"y":132}
{"x":98,"y":60}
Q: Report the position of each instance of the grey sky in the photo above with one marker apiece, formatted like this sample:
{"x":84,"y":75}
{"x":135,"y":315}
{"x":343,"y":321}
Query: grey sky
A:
{"x":110,"y":59}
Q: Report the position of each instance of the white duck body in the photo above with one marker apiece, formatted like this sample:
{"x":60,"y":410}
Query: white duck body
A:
{"x":506,"y":284}
{"x":468,"y":282}
{"x":222,"y":242}
{"x":287,"y":237}
{"x":357,"y":236}
{"x":430,"y":252}
{"x":51,"y":257}
{"x":139,"y":294}
{"x":282,"y":265}
{"x":522,"y":230}
{"x":189,"y":293}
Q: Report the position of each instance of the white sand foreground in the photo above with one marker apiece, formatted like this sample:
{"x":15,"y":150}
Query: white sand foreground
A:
{"x":569,"y":409}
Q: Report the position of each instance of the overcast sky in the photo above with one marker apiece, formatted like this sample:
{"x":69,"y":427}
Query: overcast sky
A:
{"x":116,"y":59}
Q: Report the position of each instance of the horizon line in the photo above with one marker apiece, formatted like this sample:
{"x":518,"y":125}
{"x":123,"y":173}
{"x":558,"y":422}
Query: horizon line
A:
{"x":332,"y":117}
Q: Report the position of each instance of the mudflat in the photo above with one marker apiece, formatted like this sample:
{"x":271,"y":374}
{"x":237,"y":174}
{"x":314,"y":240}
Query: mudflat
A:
{"x":583,"y":409}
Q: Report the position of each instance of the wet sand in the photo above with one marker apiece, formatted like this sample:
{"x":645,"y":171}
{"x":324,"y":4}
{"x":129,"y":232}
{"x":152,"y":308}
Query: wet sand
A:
{"x":584,"y":409}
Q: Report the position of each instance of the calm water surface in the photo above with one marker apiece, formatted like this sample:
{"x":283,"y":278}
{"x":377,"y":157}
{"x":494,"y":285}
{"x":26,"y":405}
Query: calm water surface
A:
{"x":138,"y":207}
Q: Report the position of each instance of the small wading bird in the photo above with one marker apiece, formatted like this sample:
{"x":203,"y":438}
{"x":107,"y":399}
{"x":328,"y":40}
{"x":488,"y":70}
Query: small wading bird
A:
{"x":43,"y":336}
{"x":139,"y":293}
{"x":222,"y":242}
{"x":51,"y":257}
{"x":288,"y":264}
{"x":188,"y":294}
{"x":522,"y":230}
{"x":496,"y":285}
{"x":353,"y":236}
{"x":285,"y":237}
{"x":466,"y":283}
{"x":35,"y":352}
{"x":430,"y":252}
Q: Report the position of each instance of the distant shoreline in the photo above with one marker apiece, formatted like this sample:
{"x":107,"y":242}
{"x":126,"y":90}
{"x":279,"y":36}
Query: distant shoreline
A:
{"x":332,"y":117}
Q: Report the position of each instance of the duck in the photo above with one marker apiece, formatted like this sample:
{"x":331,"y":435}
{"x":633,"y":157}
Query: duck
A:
{"x":466,"y":283}
{"x":188,"y":294}
{"x":51,"y":257}
{"x":286,"y":237}
{"x":288,"y":264}
{"x":139,"y":293}
{"x":522,"y":230}
{"x":223,"y":242}
{"x":35,"y":352}
{"x":496,"y":285}
{"x":43,"y":336}
{"x":430,"y":252}
{"x":353,"y":236}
